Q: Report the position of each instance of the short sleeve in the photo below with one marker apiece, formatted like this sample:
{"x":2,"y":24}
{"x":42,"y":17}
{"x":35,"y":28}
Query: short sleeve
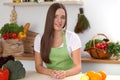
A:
{"x":75,"y":42}
{"x":37,"y":43}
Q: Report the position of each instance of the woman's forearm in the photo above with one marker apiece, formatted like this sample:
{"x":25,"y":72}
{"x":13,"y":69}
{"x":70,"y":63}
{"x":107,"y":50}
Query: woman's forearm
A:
{"x":43,"y":70}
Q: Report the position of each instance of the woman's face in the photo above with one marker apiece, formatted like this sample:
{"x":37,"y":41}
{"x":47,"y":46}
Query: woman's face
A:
{"x":59,"y":19}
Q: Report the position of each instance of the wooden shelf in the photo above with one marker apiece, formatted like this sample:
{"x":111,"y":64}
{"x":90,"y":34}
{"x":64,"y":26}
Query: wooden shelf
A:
{"x":42,"y":3}
{"x":85,"y":59}
{"x":88,"y":59}
{"x":25,"y":56}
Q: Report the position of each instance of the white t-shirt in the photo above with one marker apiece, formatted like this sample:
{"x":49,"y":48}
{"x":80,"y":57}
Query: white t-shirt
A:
{"x":72,"y":40}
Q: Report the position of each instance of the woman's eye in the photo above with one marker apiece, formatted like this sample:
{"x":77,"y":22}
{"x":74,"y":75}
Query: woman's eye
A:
{"x":56,"y":16}
{"x":59,"y":17}
{"x":62,"y":17}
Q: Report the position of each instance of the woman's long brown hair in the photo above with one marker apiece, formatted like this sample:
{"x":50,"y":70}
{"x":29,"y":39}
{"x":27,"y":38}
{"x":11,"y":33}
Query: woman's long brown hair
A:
{"x":47,"y":38}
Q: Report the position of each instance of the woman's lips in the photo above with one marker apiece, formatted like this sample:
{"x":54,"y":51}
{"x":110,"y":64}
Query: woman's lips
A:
{"x":58,"y":25}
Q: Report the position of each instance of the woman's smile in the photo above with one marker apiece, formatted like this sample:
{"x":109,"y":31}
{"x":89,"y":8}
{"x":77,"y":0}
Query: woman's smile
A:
{"x":59,"y":25}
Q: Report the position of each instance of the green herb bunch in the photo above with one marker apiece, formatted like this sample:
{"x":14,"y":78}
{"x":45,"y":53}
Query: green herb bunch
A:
{"x":82,"y":23}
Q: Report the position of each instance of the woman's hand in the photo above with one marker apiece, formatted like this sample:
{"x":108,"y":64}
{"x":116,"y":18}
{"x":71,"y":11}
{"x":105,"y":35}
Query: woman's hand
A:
{"x":58,"y":74}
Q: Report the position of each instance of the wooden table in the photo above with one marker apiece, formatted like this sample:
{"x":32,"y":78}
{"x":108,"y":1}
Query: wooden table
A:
{"x":32,"y":75}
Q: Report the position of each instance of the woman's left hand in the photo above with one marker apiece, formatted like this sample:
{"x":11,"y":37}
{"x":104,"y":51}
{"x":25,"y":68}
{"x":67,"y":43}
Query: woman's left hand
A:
{"x":59,"y":74}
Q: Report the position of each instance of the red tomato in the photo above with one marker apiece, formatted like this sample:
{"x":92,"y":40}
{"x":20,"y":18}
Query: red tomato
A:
{"x":14,"y":35}
{"x":6,"y":36}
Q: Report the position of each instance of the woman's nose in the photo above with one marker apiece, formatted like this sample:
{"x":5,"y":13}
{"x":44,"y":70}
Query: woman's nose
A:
{"x":59,"y":20}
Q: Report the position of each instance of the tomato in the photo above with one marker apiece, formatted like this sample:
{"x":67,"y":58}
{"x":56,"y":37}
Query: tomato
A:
{"x":14,"y":35}
{"x":6,"y":36}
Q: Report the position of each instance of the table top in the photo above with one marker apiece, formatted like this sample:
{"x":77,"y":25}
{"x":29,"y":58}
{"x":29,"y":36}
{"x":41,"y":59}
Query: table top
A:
{"x":32,"y":75}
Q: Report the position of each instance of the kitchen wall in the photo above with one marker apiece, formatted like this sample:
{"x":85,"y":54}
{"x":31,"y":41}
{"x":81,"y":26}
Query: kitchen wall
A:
{"x":103,"y":15}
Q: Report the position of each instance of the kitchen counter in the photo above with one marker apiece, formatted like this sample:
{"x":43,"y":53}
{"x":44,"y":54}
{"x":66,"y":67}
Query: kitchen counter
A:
{"x":32,"y":75}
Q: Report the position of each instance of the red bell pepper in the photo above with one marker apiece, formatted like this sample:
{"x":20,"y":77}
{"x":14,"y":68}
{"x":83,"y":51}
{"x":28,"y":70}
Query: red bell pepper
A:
{"x":4,"y":73}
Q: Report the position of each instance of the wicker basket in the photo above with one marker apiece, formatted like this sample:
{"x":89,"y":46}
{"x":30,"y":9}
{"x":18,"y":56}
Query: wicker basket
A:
{"x":29,"y":42}
{"x":96,"y":52}
{"x":1,"y":48}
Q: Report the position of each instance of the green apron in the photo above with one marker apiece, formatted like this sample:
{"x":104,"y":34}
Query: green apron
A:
{"x":59,"y":57}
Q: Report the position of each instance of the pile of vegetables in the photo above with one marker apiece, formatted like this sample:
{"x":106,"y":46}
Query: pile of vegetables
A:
{"x":109,"y":47}
{"x":11,"y":69}
{"x":92,"y":75}
{"x":101,"y":44}
{"x":14,"y":31}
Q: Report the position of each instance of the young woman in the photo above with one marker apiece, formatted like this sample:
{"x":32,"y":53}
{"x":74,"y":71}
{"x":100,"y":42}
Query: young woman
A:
{"x":58,"y":48}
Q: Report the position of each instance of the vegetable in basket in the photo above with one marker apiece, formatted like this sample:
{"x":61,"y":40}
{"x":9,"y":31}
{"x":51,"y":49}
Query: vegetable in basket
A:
{"x":91,"y":43}
{"x":13,"y":31}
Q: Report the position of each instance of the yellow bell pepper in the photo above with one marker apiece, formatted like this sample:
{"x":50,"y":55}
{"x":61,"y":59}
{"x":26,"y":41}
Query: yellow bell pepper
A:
{"x":21,"y":35}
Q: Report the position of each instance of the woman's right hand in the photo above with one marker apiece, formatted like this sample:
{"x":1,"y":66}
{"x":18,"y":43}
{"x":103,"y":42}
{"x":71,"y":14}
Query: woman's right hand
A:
{"x":58,"y":74}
